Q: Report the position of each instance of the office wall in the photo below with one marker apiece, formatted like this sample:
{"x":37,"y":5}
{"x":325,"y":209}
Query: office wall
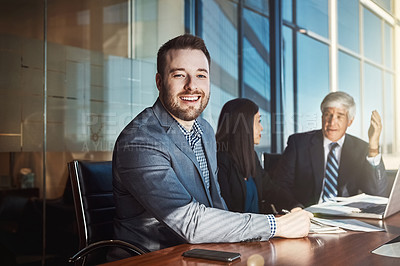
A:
{"x":100,"y":62}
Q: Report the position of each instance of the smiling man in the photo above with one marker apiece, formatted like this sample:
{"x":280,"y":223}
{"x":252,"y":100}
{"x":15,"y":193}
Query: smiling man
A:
{"x":165,"y":167}
{"x":319,"y":165}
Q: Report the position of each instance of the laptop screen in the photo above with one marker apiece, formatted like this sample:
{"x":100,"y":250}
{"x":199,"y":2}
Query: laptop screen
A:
{"x":393,"y":205}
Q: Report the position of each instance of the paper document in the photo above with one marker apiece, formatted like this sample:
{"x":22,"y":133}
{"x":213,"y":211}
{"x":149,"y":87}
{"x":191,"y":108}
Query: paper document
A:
{"x":364,"y":198}
{"x":338,"y":207}
{"x":349,"y":224}
{"x":317,"y":228}
{"x":332,"y":207}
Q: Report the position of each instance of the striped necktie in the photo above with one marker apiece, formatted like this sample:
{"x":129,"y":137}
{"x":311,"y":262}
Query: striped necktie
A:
{"x":331,"y":174}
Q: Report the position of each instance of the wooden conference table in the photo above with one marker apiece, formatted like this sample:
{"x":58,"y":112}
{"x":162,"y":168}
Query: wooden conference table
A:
{"x":350,"y":248}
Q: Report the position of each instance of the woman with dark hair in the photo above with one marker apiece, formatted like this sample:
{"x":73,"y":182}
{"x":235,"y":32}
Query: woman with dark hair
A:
{"x":245,"y":186}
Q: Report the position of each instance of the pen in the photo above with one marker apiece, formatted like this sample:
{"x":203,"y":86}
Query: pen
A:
{"x":285,"y":211}
{"x":275,"y":212}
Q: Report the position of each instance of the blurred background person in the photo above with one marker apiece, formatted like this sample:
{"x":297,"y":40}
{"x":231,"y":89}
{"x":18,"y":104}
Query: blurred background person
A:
{"x":245,"y":186}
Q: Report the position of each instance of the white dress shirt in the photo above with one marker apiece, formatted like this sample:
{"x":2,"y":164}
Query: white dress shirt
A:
{"x":372,"y":160}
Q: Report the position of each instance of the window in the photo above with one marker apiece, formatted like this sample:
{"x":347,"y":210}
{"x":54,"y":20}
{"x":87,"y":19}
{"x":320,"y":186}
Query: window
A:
{"x":372,"y":95}
{"x":287,"y":10}
{"x":259,"y":5}
{"x":348,"y":24}
{"x":349,"y":81}
{"x":385,"y":4}
{"x":288,"y":84}
{"x":219,"y":31}
{"x":313,"y":15}
{"x":372,"y":37}
{"x":256,"y":68}
{"x":388,"y":44}
{"x":388,"y":115}
{"x":312,"y":80}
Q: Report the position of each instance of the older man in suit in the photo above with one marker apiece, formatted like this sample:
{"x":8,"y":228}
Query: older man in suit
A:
{"x":318,"y":165}
{"x":165,"y":168}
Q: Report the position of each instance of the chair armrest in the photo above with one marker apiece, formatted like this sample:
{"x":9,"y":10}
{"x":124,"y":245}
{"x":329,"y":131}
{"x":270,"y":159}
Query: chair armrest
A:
{"x":106,"y":243}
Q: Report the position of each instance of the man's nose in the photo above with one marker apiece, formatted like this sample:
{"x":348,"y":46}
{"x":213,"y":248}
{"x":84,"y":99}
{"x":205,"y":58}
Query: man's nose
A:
{"x":190,"y":83}
{"x":333,"y":119}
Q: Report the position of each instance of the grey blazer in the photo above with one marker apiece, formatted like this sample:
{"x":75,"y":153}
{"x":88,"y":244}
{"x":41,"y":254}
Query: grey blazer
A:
{"x":159,"y":189}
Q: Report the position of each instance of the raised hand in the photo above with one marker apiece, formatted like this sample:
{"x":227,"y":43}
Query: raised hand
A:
{"x":374,"y":133}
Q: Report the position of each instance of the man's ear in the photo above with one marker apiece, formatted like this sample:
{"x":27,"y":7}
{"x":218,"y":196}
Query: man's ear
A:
{"x":159,"y":82}
{"x":350,"y":122}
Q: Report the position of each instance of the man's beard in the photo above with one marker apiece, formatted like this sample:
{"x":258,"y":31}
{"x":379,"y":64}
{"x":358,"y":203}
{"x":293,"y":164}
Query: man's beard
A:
{"x":171,"y":103}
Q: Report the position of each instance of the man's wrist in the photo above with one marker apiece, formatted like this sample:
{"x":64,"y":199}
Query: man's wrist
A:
{"x":373,"y":150}
{"x":272,"y":224}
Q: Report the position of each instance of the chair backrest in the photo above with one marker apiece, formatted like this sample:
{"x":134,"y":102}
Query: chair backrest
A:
{"x":93,"y":198}
{"x":271,"y":160}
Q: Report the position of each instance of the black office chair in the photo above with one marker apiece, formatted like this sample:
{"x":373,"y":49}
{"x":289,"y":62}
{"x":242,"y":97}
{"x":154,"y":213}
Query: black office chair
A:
{"x":94,"y":206}
{"x":271,"y":160}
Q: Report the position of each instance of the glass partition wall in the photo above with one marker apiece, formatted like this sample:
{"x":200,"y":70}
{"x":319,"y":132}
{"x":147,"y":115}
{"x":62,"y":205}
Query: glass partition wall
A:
{"x":21,"y":130}
{"x":73,"y":74}
{"x":101,"y":66}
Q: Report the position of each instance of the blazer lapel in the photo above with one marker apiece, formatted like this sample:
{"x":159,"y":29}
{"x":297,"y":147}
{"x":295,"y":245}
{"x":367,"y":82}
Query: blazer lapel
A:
{"x":177,"y":137}
{"x":317,"y":161}
{"x":180,"y":141}
{"x":210,"y":153}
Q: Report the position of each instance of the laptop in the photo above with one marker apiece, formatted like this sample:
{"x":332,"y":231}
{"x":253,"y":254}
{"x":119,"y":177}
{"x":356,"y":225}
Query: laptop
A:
{"x":363,"y":206}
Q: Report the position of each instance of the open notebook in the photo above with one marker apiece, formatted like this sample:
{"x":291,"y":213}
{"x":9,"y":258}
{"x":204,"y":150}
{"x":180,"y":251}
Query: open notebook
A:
{"x":362,"y":206}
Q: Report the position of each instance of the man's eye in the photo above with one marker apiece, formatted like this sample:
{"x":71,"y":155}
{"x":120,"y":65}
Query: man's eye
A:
{"x":202,"y":76}
{"x":178,"y":75}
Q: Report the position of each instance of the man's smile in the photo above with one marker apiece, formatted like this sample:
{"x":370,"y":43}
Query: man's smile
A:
{"x":190,"y":98}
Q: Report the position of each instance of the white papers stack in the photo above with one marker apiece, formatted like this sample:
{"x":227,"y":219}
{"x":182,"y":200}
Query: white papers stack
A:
{"x":318,"y":227}
{"x":363,"y":198}
{"x":337,"y":207}
{"x":332,"y":208}
{"x":349,"y":224}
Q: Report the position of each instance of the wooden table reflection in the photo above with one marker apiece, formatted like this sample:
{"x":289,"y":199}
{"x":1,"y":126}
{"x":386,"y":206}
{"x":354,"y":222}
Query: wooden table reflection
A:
{"x":351,"y":248}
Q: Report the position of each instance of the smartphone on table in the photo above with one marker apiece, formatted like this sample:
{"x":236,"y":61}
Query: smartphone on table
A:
{"x":211,"y":254}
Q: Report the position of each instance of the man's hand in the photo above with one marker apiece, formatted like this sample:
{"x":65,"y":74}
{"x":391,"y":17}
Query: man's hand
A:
{"x":296,"y":209}
{"x":293,"y":225}
{"x":374,"y":133}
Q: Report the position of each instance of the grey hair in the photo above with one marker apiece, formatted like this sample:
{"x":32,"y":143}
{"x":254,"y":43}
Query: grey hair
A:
{"x":340,"y":99}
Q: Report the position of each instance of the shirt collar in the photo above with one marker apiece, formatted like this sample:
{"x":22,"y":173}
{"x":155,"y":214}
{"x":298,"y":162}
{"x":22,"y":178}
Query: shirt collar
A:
{"x":339,"y":142}
{"x":195,"y":131}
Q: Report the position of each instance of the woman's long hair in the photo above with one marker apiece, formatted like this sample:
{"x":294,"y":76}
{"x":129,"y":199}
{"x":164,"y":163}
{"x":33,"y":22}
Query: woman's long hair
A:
{"x":235,"y":133}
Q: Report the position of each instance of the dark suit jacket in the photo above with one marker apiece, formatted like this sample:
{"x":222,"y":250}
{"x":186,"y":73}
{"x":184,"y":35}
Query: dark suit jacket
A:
{"x":233,"y":186}
{"x":301,"y":169}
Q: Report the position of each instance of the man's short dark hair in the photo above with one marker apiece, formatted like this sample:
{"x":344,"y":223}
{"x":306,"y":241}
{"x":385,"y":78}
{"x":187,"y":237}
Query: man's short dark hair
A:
{"x":186,"y":41}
